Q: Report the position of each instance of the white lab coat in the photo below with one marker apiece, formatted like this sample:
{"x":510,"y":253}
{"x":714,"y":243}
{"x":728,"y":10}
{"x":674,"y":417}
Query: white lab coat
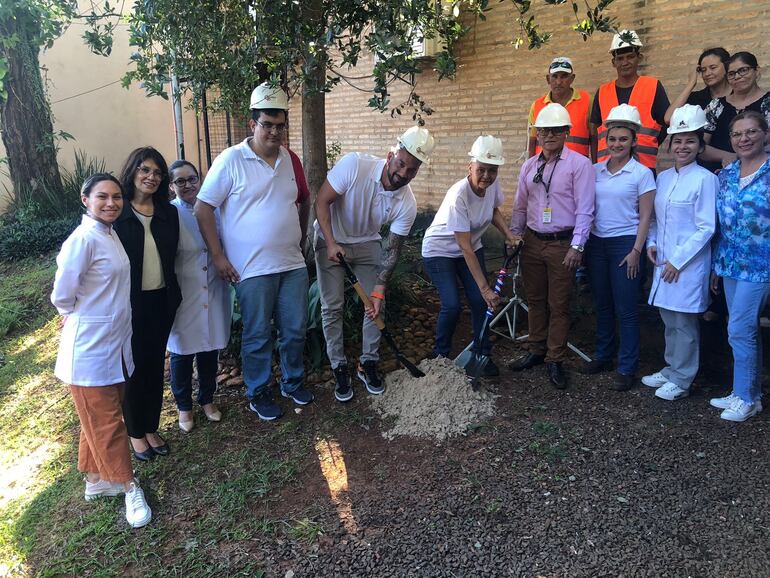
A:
{"x":93,"y":289}
{"x":684,"y":222}
{"x":202,"y":321}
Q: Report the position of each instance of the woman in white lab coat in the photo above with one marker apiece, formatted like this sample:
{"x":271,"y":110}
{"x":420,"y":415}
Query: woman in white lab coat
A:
{"x":92,"y":291}
{"x":678,"y":246}
{"x":202,"y":324}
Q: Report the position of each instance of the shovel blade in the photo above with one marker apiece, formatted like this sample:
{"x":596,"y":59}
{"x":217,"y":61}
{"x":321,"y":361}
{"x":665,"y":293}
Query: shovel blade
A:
{"x":409,"y":366}
{"x":475,"y":369}
{"x":465,"y":357}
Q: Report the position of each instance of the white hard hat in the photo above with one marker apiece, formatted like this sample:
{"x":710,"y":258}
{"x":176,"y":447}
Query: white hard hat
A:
{"x":553,"y":114}
{"x":265,"y":96}
{"x":624,"y":115}
{"x":487,"y":149}
{"x":618,"y":42}
{"x":687,"y":118}
{"x":418,"y":142}
{"x":560,"y":64}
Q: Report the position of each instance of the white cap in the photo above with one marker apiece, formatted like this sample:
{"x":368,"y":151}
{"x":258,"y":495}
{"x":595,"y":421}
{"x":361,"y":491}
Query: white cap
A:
{"x":618,"y":42}
{"x":560,"y":64}
{"x":487,"y":149}
{"x":265,"y":96}
{"x":624,"y":115}
{"x":418,"y":142}
{"x":552,"y":115}
{"x":687,"y":118}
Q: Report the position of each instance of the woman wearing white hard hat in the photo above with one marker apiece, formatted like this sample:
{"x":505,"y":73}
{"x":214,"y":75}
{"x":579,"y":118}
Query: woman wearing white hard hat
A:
{"x":742,"y":259}
{"x":679,"y":247}
{"x":452,"y":247}
{"x":625,"y":192}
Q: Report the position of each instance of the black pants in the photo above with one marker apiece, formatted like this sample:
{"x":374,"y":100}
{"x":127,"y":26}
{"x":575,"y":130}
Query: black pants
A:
{"x":144,"y":390}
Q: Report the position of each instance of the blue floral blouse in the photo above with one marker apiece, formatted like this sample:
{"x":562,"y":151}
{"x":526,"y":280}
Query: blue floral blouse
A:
{"x":743,"y":245}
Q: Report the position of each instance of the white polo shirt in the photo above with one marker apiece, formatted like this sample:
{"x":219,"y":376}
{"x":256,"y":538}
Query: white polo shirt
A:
{"x":461,"y":211}
{"x":363,"y":205}
{"x":616,"y":206}
{"x":257,"y":203}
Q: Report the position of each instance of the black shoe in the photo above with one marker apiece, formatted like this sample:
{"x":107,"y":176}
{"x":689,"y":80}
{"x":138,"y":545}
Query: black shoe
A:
{"x":623,"y":382}
{"x":367,"y":372}
{"x":490,"y":369}
{"x":161,"y":450}
{"x":263,"y":405}
{"x":144,"y":456}
{"x":342,"y":390}
{"x":556,"y":374}
{"x":597,"y":366}
{"x":530,"y":360}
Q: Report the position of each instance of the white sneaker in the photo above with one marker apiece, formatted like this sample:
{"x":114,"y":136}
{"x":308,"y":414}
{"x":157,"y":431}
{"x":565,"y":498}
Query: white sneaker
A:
{"x":671,"y":392}
{"x":655,"y":380}
{"x":739,"y":410}
{"x":725,"y":402}
{"x":102,"y":488}
{"x":138,"y":512}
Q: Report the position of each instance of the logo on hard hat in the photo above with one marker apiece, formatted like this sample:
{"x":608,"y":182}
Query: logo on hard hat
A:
{"x":682,"y":124}
{"x":419,"y":150}
{"x":490,"y":156}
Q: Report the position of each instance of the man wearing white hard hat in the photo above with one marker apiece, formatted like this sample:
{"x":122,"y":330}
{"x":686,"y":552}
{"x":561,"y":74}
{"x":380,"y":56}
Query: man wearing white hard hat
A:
{"x":260,"y":189}
{"x":553,"y":211}
{"x":360,"y":195}
{"x":560,"y":77}
{"x":452,"y":249}
{"x":644,"y":92}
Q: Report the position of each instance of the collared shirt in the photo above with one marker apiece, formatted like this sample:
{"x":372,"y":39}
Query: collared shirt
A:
{"x":743,"y":245}
{"x":461,"y":211}
{"x":570,"y":196}
{"x":202,"y":322}
{"x":261,"y":232}
{"x":547,"y":100}
{"x":363,"y":205}
{"x":617,"y":198}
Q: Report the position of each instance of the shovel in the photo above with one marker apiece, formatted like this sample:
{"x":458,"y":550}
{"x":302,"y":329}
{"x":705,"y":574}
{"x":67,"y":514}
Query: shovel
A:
{"x":410,"y":367}
{"x":473,"y":361}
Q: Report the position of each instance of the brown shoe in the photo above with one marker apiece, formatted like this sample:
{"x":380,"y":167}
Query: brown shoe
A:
{"x":556,"y":374}
{"x":526,"y":362}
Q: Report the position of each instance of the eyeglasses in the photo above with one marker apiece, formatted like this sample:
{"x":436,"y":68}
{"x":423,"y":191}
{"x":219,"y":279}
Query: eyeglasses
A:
{"x":554,"y":130}
{"x":740,"y":73}
{"x":749,"y":133}
{"x":180,"y":182}
{"x":147,"y":171}
{"x":270,"y":127}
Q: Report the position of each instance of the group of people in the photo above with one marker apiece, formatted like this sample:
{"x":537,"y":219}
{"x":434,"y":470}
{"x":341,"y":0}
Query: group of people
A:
{"x":144,"y":274}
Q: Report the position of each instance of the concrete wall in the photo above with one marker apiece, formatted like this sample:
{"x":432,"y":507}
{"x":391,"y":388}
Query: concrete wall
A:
{"x":496,"y":84}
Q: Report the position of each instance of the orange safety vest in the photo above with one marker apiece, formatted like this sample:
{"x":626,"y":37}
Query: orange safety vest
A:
{"x":579,"y":111}
{"x":642,"y":97}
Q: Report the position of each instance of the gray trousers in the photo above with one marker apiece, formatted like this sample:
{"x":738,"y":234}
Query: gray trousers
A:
{"x":364,"y":258}
{"x":682,"y":346}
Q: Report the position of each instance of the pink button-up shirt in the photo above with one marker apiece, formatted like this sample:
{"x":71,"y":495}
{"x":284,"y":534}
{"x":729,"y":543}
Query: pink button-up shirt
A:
{"x":570,"y":196}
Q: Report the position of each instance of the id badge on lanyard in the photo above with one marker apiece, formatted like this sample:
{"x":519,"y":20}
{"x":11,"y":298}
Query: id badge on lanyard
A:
{"x":547,"y":215}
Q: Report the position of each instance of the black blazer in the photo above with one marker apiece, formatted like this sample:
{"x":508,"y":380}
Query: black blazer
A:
{"x":165,"y":230}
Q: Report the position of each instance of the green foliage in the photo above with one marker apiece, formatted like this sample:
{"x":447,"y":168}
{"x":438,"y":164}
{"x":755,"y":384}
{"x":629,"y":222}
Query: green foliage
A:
{"x":23,"y":238}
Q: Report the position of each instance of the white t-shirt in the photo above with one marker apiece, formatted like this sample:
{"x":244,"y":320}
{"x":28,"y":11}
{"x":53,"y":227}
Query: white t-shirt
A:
{"x":363,"y":205}
{"x":152,"y":272}
{"x":260,"y":223}
{"x":461,"y":211}
{"x":617,"y":198}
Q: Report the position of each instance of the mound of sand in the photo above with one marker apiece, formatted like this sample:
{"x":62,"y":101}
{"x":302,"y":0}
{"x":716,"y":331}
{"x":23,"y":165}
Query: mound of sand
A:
{"x":439,"y":405}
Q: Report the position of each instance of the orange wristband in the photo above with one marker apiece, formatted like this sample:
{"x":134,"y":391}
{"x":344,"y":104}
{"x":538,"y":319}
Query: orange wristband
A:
{"x":379,"y":296}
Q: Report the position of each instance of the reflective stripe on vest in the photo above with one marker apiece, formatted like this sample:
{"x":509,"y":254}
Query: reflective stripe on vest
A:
{"x":579,"y":111}
{"x":642,"y":97}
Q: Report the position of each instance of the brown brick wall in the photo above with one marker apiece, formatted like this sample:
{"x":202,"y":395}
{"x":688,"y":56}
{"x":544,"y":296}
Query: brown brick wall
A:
{"x":496,"y":84}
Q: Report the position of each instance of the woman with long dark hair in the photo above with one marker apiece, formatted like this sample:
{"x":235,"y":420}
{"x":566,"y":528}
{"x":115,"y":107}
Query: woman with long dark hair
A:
{"x":149,"y":229}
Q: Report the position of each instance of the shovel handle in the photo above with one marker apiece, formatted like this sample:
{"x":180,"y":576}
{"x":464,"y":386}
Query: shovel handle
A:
{"x":360,"y":290}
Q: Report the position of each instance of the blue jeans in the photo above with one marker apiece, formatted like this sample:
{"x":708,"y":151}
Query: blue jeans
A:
{"x":444,"y":273}
{"x":181,"y":378}
{"x":614,"y":295}
{"x":278,"y":299}
{"x":745,"y":301}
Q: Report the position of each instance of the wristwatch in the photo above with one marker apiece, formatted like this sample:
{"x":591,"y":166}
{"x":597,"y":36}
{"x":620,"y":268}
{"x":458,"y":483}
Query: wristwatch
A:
{"x":578,"y":248}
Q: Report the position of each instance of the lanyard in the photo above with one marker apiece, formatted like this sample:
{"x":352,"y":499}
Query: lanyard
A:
{"x":538,"y":178}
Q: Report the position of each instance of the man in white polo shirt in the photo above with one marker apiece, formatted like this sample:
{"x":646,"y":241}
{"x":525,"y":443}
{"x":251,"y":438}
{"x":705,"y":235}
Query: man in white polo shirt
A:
{"x":360,"y":195}
{"x":260,"y":189}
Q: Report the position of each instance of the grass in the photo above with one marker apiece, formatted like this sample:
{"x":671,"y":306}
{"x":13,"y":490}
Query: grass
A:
{"x":212,"y":499}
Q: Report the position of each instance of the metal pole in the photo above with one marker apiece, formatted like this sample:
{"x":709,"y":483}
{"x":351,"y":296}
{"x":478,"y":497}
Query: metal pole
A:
{"x":176,"y":102}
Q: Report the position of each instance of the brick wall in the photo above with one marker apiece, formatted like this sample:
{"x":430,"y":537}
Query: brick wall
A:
{"x":496,"y":84}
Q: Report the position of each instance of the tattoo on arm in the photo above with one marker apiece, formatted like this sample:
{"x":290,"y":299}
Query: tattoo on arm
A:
{"x":390,"y":257}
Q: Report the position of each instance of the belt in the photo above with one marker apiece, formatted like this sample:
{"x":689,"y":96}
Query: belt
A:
{"x":557,"y":236}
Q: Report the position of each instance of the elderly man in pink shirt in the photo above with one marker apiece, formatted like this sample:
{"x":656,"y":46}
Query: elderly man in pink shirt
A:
{"x":553,"y":212}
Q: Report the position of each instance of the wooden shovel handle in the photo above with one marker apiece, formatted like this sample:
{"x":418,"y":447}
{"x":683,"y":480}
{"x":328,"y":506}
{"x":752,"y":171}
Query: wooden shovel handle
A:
{"x":368,"y":303}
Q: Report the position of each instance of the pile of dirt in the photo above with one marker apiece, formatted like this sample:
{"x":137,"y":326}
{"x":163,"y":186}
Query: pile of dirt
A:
{"x":439,"y":405}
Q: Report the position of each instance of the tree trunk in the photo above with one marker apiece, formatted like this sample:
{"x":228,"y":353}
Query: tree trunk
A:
{"x":25,"y":118}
